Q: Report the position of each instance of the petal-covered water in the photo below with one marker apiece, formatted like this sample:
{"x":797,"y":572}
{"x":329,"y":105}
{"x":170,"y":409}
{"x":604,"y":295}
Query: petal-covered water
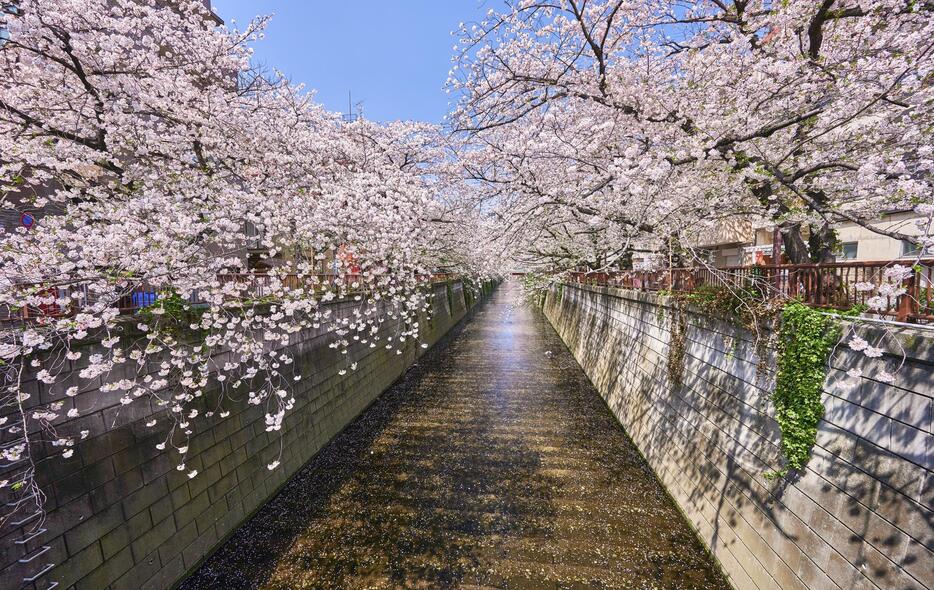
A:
{"x":493,"y":464}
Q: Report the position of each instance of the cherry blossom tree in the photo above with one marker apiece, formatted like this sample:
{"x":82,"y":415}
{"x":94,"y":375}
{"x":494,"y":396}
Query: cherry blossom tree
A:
{"x":596,"y":129}
{"x":170,"y":175}
{"x":609,"y":122}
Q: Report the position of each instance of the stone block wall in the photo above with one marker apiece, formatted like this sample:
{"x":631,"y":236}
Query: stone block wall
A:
{"x":858,"y":517}
{"x":119,"y":515}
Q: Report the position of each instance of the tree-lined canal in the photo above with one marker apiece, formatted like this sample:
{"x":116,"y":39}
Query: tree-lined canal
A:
{"x":493,"y":464}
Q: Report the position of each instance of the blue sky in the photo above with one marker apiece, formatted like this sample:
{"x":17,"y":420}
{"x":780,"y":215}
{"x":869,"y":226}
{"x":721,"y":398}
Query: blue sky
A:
{"x":394,"y":55}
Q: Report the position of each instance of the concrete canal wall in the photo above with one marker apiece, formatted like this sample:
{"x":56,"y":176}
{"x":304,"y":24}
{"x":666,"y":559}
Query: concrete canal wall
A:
{"x":121,"y":516}
{"x":859,"y":515}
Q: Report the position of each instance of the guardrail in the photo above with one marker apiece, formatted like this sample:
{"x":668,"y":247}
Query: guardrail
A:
{"x":144,"y":293}
{"x":826,"y":285}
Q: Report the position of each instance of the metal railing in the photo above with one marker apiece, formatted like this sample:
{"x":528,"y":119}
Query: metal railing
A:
{"x":826,"y":285}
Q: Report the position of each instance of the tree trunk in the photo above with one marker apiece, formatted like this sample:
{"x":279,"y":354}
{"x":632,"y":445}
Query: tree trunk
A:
{"x":796,"y":249}
{"x":819,"y":246}
{"x":821,"y":243}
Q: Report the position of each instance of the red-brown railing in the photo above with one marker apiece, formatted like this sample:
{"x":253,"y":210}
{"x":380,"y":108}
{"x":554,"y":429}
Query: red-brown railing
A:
{"x":142,"y":294}
{"x":826,"y":285}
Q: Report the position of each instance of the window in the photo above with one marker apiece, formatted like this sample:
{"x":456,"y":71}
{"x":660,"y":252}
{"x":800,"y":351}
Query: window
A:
{"x":848,"y":250}
{"x":910,"y":248}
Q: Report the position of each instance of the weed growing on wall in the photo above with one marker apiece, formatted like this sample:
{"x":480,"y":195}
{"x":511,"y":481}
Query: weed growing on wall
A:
{"x":747,"y":307}
{"x":659,"y":314}
{"x":676,"y":346}
{"x":804,"y":341}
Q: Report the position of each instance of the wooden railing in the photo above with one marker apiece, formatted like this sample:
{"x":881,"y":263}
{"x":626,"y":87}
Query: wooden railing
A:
{"x":827,"y":285}
{"x":143,"y":293}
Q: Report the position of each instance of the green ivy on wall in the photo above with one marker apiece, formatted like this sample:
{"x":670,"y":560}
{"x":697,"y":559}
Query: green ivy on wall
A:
{"x":805,"y":337}
{"x":805,"y":340}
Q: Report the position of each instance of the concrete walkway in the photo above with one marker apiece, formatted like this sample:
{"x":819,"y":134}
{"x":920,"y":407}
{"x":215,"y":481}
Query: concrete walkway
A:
{"x":493,"y":464}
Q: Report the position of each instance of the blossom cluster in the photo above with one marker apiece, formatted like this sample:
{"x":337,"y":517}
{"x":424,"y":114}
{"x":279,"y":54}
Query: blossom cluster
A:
{"x":599,"y":130}
{"x":608,"y":134}
{"x":192,"y":215}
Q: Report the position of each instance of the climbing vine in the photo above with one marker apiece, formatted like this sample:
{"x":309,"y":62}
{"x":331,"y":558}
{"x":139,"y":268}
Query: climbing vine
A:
{"x":805,"y":340}
{"x":746,"y":307}
{"x":676,"y":346}
{"x":743,"y":306}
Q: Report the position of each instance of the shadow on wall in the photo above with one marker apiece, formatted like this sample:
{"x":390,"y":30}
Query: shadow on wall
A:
{"x":856,"y":517}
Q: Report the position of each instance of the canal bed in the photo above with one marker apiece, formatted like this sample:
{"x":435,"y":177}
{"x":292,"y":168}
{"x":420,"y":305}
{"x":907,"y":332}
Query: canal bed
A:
{"x":492,"y":464}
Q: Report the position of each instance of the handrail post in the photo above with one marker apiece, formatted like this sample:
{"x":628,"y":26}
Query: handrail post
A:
{"x":777,"y":257}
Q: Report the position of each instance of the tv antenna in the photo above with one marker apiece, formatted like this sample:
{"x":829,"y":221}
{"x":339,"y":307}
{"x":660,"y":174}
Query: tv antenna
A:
{"x":350,"y":116}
